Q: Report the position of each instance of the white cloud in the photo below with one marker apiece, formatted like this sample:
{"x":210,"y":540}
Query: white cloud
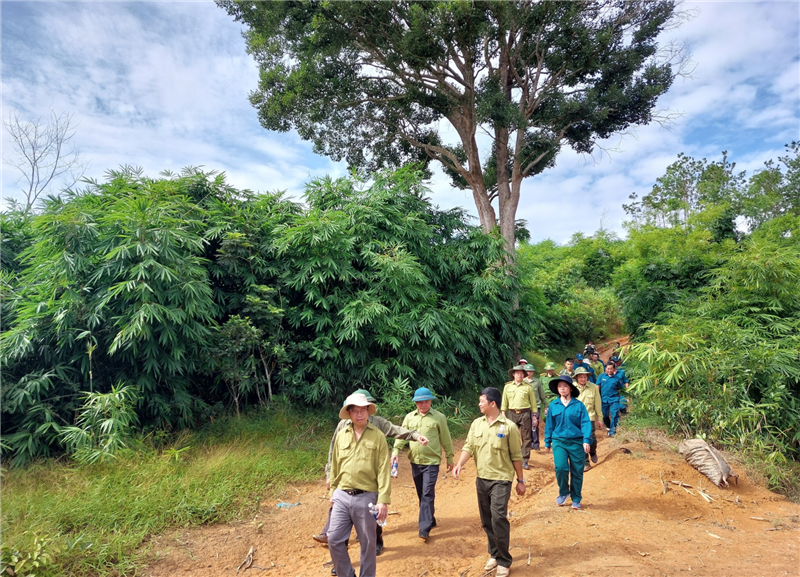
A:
{"x":165,"y":85}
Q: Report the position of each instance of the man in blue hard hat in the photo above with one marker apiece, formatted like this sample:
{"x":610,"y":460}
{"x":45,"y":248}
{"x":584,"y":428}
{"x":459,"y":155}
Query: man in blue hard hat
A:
{"x":425,"y":460}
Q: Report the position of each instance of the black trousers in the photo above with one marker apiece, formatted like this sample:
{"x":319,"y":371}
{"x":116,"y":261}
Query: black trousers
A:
{"x":493,"y":499}
{"x":425,"y":477}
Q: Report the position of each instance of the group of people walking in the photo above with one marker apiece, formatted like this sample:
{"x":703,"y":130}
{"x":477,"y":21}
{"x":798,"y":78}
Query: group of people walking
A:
{"x":499,"y":441}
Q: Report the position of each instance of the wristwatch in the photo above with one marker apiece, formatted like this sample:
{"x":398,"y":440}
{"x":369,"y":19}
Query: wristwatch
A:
{"x":521,"y":481}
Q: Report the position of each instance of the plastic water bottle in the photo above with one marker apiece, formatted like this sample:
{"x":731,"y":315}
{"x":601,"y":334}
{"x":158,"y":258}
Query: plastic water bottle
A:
{"x":501,"y":432}
{"x":374,"y":511}
{"x":394,"y":469}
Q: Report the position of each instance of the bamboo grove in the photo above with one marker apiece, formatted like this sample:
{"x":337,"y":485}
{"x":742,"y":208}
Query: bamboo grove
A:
{"x":156,"y":303}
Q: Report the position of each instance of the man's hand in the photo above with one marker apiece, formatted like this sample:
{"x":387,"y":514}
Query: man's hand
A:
{"x":393,"y":460}
{"x":422,"y":440}
{"x":456,"y":471}
{"x":383,"y":510}
{"x":520,"y":488}
{"x":586,"y":448}
{"x":328,"y":484}
{"x":449,"y":467}
{"x":599,"y":425}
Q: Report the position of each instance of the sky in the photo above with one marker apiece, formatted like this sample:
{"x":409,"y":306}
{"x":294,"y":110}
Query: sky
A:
{"x":164,"y":85}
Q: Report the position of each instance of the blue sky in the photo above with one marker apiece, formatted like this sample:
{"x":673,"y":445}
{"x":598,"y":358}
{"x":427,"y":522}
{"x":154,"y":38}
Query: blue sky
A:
{"x":164,"y":85}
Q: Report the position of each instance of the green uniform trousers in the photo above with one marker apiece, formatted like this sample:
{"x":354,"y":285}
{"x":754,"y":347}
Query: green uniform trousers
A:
{"x":569,"y":459}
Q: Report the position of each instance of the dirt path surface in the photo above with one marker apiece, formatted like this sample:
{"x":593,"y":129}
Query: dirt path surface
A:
{"x":629,"y":526}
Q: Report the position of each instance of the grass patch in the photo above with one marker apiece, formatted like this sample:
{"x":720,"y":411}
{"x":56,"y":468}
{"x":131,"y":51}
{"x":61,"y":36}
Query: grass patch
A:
{"x":94,"y":519}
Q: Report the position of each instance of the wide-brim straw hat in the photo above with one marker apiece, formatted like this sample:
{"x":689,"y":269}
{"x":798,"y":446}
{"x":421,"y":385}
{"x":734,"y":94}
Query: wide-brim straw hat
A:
{"x":567,"y":379}
{"x":357,"y":400}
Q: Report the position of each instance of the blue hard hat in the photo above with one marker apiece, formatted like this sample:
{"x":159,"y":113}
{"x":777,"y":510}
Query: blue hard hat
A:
{"x":423,"y":394}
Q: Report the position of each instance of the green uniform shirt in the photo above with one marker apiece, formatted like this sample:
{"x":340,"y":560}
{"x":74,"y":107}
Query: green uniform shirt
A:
{"x":546,"y":384}
{"x":432,"y":425}
{"x":518,"y":396}
{"x":494,"y":456}
{"x":598,"y":367}
{"x":538,"y":393}
{"x":362,"y":464}
{"x":590,"y":397}
{"x":388,"y":428}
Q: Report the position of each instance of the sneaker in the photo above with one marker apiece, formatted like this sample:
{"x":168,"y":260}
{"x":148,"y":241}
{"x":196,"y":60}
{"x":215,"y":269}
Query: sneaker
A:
{"x":320,"y":539}
{"x":576,"y":505}
{"x":561,"y":500}
{"x":490,"y":564}
{"x":611,"y":433}
{"x":587,"y":467}
{"x":525,"y":465}
{"x":503,"y":571}
{"x":594,"y":458}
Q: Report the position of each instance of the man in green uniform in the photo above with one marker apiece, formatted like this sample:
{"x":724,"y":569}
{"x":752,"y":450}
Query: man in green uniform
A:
{"x":597,"y":365}
{"x":548,"y":375}
{"x":359,"y":478}
{"x":540,"y":408}
{"x":386,"y":427}
{"x":425,"y":460}
{"x":494,"y":442}
{"x":590,"y":397}
{"x":518,"y":405}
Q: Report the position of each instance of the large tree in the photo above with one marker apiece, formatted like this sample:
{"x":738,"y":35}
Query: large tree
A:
{"x":370,"y":82}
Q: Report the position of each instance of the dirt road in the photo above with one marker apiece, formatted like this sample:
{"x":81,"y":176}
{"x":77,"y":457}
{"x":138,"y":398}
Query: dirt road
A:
{"x":629,"y":526}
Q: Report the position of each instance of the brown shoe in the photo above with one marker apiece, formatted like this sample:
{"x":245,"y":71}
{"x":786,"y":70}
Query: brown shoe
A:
{"x":320,"y":539}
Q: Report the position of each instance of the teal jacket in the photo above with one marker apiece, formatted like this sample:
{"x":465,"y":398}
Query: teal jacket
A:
{"x":567,"y":422}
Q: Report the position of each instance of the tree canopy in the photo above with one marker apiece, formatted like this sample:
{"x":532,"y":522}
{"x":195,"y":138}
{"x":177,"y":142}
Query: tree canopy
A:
{"x":372,"y":82}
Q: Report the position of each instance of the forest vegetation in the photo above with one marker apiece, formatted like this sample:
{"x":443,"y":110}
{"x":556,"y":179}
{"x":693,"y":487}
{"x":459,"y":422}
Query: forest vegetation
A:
{"x":163,"y":332}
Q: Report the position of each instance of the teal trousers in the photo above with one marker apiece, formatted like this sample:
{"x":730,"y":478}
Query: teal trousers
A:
{"x":569,"y":459}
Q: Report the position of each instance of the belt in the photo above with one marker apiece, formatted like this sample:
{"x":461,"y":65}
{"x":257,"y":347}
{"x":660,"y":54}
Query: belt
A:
{"x":519,"y":411}
{"x":354,"y":492}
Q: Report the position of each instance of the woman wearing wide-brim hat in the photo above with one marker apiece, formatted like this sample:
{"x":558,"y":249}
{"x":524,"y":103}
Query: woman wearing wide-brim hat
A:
{"x":568,"y":431}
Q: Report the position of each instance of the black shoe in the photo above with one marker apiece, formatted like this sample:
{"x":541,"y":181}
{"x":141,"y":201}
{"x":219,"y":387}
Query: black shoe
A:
{"x":423,"y":535}
{"x":379,"y":549}
{"x":433,"y":524}
{"x":594,"y":458}
{"x":333,"y":570}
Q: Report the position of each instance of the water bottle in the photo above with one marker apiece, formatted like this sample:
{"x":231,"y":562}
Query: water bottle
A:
{"x":501,"y":432}
{"x":394,"y":469}
{"x":374,"y":511}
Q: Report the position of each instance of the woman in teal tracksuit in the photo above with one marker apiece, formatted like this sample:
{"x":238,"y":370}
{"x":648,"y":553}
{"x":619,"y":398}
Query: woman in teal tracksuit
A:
{"x":569,"y":431}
